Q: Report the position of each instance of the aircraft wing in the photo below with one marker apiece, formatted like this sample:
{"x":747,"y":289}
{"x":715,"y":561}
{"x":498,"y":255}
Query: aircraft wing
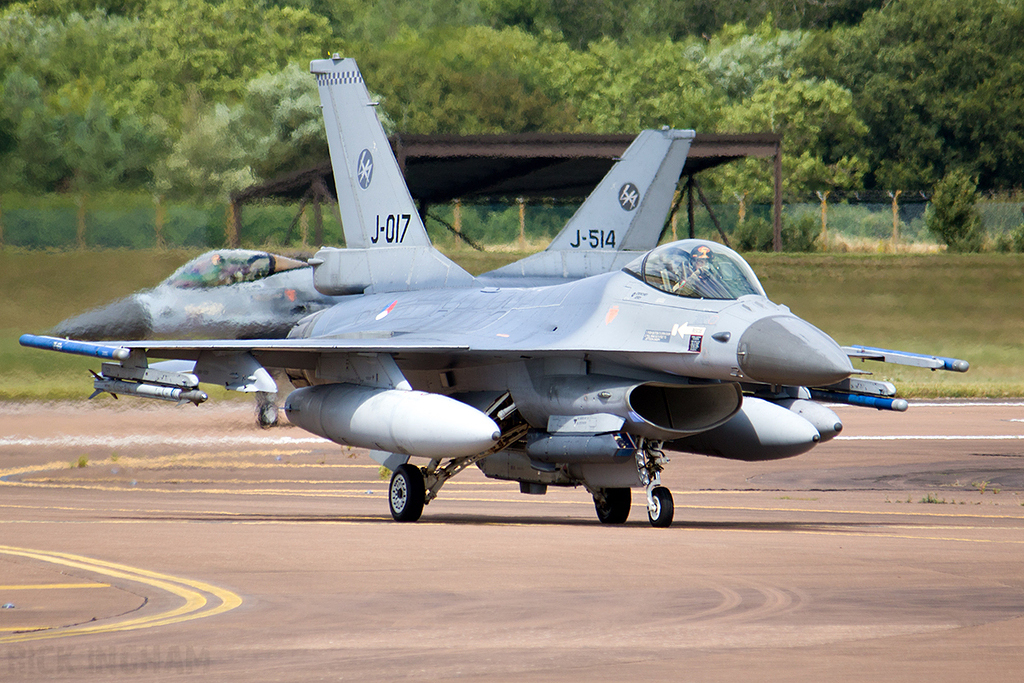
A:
{"x":235,"y":364}
{"x":906,"y":358}
{"x":191,"y":349}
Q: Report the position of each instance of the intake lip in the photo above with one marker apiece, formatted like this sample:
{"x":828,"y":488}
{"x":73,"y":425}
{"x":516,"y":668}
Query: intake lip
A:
{"x":789,"y":351}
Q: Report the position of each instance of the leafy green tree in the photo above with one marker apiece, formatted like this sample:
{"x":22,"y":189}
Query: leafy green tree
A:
{"x":207,"y":160}
{"x":279,"y":124}
{"x":215,"y":48}
{"x":821,"y":136}
{"x":953,"y":216}
{"x":617,"y":88}
{"x":65,"y":8}
{"x":72,"y":142}
{"x":465,"y":81}
{"x":739,"y":59}
{"x":939,"y":83}
{"x":33,"y":161}
{"x":58,"y":50}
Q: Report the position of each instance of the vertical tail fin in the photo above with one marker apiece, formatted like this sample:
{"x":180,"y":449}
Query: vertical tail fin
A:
{"x":627,"y":209}
{"x":388,"y":248}
{"x":624,"y":214}
{"x":376,"y":207}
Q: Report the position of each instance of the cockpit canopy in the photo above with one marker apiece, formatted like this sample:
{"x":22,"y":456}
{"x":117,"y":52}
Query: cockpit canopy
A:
{"x":696,"y":269}
{"x":228,"y":267}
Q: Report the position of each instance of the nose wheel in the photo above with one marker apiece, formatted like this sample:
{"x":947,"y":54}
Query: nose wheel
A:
{"x":650,"y":460}
{"x":660,"y":507}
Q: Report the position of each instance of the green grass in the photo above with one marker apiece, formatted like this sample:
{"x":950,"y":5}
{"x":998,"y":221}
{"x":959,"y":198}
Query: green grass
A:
{"x":966,"y":306}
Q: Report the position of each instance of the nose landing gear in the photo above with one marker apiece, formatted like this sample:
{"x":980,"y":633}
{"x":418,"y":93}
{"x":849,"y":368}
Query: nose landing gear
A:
{"x":650,"y":461}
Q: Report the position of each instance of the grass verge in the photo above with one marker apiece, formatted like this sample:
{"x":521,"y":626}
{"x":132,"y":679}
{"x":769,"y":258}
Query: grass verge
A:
{"x":966,"y":306}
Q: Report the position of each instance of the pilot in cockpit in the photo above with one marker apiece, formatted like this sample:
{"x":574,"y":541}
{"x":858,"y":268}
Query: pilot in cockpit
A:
{"x":700,"y":270}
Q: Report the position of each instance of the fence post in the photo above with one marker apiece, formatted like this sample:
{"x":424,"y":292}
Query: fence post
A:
{"x":743,"y":206}
{"x":895,"y":218}
{"x":675,"y":213}
{"x":80,"y":231}
{"x":158,"y":221}
{"x":689,"y":206}
{"x":234,"y":224}
{"x":304,"y":226}
{"x":824,"y":217}
{"x":522,"y":223}
{"x":457,"y":219}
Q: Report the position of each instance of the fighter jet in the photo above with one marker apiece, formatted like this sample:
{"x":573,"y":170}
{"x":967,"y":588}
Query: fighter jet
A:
{"x":578,"y":383}
{"x":236,"y":293}
{"x":248,"y":294}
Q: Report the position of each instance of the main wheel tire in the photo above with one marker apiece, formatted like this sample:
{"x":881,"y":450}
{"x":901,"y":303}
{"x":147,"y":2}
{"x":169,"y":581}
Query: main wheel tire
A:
{"x":661,"y":515}
{"x":615,"y":509}
{"x":266,"y":415}
{"x":406,"y":493}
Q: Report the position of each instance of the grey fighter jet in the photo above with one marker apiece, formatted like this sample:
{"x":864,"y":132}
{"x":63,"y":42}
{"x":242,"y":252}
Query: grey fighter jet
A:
{"x":236,"y":293}
{"x":223,"y":293}
{"x":578,"y":383}
{"x":248,"y":294}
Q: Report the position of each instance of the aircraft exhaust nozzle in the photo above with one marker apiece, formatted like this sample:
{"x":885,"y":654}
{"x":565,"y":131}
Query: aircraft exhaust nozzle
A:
{"x":789,"y":351}
{"x":393,"y":420}
{"x":760,"y":431}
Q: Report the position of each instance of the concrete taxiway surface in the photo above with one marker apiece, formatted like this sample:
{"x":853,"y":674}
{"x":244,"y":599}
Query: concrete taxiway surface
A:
{"x":163,"y":543}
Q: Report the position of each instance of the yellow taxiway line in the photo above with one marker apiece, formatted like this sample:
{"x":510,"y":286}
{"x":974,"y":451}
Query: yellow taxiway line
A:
{"x":190,"y":591}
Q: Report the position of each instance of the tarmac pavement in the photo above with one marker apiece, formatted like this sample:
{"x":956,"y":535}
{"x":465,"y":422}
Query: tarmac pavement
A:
{"x":190,"y":544}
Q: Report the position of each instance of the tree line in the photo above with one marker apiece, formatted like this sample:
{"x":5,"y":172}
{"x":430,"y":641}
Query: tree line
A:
{"x":198,"y":98}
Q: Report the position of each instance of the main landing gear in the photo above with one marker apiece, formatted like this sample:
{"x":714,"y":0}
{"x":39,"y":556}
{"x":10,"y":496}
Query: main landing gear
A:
{"x":612,"y":505}
{"x":407,"y":493}
{"x":413,"y":487}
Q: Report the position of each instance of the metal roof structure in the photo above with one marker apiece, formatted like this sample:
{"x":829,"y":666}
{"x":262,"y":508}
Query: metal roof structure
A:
{"x":442,"y":168}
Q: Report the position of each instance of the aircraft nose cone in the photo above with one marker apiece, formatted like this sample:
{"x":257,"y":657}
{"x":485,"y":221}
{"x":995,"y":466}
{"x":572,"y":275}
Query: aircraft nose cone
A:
{"x":787,"y":350}
{"x":123,"y":319}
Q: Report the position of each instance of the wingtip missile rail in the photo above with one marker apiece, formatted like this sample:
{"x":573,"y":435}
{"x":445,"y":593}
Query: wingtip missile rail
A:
{"x":116,"y":379}
{"x":906,"y":358}
{"x":78,"y":348}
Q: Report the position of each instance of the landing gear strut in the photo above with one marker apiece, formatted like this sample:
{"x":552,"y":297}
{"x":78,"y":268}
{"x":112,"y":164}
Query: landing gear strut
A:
{"x":413,"y":487}
{"x":650,"y":461}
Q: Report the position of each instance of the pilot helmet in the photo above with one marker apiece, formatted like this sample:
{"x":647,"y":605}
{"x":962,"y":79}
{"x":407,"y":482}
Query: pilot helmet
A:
{"x":701,"y":255}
